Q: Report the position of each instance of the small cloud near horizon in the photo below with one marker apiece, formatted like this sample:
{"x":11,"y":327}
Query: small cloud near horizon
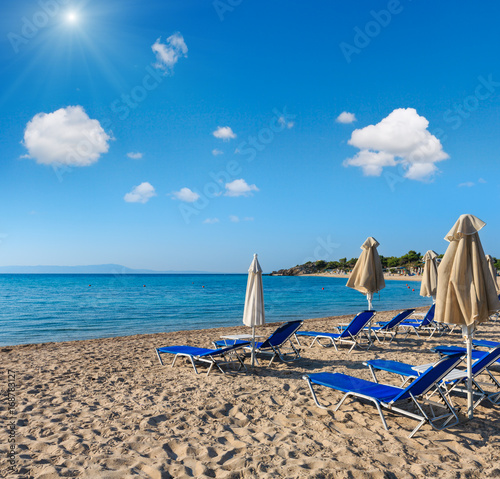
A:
{"x":134,"y":155}
{"x":141,"y":193}
{"x":185,"y":194}
{"x":239,"y":188}
{"x":346,"y":117}
{"x":401,"y":138}
{"x":168,"y":53}
{"x":211,"y":221}
{"x":224,"y":133}
{"x":236,"y":219}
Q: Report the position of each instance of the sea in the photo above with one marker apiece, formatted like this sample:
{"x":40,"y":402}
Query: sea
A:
{"x":40,"y":308}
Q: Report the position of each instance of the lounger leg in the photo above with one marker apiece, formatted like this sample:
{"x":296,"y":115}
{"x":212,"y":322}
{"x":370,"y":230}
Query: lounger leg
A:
{"x":159,"y":358}
{"x":192,"y":362}
{"x":314,"y":394}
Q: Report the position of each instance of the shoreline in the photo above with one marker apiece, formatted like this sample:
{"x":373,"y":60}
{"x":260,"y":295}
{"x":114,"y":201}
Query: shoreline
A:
{"x":105,"y":408}
{"x":387,"y":277}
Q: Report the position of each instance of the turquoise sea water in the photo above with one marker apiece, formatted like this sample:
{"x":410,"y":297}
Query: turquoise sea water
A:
{"x":43,"y":308}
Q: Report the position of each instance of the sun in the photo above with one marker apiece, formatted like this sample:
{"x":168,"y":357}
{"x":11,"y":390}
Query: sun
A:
{"x":71,"y":17}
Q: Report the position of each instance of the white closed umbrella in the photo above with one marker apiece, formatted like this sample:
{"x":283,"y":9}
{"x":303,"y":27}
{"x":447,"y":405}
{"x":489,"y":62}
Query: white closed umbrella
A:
{"x":466,"y":294}
{"x":428,"y":287}
{"x":367,"y":276}
{"x":253,"y":314}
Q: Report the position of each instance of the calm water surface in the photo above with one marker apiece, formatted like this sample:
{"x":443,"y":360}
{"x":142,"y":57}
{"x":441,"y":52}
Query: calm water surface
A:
{"x":42,"y":308}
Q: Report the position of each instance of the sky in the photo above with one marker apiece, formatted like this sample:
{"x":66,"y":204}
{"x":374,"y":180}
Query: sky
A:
{"x":187,"y":135}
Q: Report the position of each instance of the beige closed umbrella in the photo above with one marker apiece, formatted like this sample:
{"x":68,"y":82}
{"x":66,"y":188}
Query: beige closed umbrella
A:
{"x":367,"y":276}
{"x":493,"y":270}
{"x":428,"y":287}
{"x":253,"y":314}
{"x":466,"y":294}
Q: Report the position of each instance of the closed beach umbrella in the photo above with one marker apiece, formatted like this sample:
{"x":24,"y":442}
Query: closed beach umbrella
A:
{"x":466,"y":294}
{"x":367,"y":276}
{"x":428,"y":287}
{"x":493,"y":270}
{"x":253,"y":314}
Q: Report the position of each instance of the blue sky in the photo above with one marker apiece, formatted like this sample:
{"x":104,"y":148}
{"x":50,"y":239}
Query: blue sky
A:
{"x":189,"y":135}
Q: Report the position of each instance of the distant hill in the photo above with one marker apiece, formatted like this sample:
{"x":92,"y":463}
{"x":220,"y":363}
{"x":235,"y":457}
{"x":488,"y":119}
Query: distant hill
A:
{"x":89,"y":269}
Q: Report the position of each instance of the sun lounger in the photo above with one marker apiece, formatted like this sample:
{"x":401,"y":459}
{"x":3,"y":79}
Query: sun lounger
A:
{"x":278,"y":345}
{"x":453,"y":380}
{"x":427,"y":323}
{"x":214,"y":357}
{"x":352,"y":334}
{"x":390,"y":328}
{"x":388,"y":397}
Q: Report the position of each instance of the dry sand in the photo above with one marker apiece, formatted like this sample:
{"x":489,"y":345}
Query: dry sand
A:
{"x":395,"y":277}
{"x":107,"y":409}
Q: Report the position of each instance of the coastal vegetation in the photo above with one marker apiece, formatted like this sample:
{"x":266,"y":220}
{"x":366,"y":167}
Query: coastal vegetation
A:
{"x":411,"y":262}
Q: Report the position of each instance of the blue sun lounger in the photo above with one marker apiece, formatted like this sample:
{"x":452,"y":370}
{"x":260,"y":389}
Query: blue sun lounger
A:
{"x":388,"y":397}
{"x":274,"y":344}
{"x":351,"y":334}
{"x":390,"y":328}
{"x":214,"y":357}
{"x":427,"y":323}
{"x":455,"y":379}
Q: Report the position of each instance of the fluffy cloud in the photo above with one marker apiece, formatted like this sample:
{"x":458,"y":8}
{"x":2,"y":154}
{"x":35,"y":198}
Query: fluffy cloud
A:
{"x":65,"y":137}
{"x":401,"y":138}
{"x":346,"y":117}
{"x":239,"y":188}
{"x":185,"y":194}
{"x":168,"y":53}
{"x":211,"y":221}
{"x":134,"y":156}
{"x":140,"y":194}
{"x":224,"y":133}
{"x":468,"y":184}
{"x":217,"y":152}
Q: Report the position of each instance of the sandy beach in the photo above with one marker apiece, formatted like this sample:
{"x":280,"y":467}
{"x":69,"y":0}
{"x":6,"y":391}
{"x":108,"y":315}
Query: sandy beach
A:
{"x":395,"y":277}
{"x":107,"y":409}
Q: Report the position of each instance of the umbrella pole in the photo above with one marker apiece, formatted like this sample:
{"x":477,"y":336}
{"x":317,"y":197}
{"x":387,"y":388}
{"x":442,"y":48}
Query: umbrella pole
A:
{"x":467,"y":331}
{"x":369,"y":297}
{"x":253,"y":346}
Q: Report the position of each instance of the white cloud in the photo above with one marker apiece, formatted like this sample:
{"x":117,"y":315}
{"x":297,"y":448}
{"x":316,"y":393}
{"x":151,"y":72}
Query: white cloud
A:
{"x":401,"y":138}
{"x":211,"y":221}
{"x":239,"y":188}
{"x":224,"y":133}
{"x":467,"y":184}
{"x":140,"y":194}
{"x":217,"y":152}
{"x":185,"y":194}
{"x":346,"y":117}
{"x":168,"y":53}
{"x":134,"y":155}
{"x":236,"y":219}
{"x":372,"y":162}
{"x":481,"y":180}
{"x":282,"y":121}
{"x":65,"y":137}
